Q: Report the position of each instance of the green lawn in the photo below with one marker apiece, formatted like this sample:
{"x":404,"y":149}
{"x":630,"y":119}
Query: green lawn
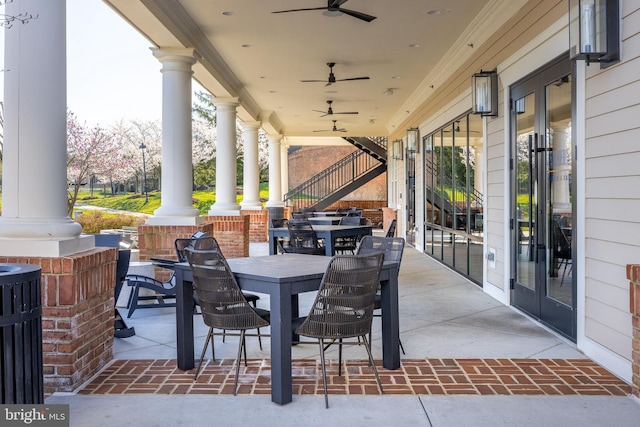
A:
{"x":202,"y":200}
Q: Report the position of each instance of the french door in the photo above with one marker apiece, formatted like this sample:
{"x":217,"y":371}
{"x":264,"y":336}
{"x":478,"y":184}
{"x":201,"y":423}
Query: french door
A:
{"x":542,"y":208}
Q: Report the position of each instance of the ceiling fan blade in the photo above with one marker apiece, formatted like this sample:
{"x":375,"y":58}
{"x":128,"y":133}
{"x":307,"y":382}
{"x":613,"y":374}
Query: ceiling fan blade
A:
{"x":313,"y":81}
{"x":340,"y":130}
{"x":353,"y":78}
{"x":347,"y":112}
{"x":337,"y":3}
{"x":359,"y":15}
{"x":301,"y":10}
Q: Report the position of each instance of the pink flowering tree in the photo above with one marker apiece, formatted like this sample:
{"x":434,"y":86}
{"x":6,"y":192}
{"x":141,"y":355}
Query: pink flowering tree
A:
{"x":91,"y":152}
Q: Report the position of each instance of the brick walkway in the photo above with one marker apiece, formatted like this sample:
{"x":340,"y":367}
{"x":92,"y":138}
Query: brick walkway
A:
{"x":415,"y":377}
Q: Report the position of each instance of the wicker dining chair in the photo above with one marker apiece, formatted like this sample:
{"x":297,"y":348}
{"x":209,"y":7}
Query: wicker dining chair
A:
{"x":343,"y":307}
{"x":222,"y":302}
{"x":303,"y":238}
{"x":347,"y":243}
{"x":392,"y":248}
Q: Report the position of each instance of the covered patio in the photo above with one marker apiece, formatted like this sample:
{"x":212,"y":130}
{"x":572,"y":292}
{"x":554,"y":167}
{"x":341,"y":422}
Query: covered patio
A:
{"x":468,"y":357}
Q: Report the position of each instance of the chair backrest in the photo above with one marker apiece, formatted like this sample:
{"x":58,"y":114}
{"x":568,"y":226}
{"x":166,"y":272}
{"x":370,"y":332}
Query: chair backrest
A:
{"x":198,"y":240}
{"x":357,"y":213}
{"x":279,"y":222}
{"x":122,"y":266}
{"x":562,"y":245}
{"x":391,"y":247}
{"x":345,"y":301}
{"x":350,"y":220}
{"x":391,"y":232}
{"x":221,"y":300}
{"x":303,"y":239}
{"x":299,"y":215}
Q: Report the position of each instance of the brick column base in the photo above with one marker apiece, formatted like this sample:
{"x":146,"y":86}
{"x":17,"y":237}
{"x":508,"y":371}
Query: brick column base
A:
{"x":77,"y":315}
{"x":258,"y":224}
{"x":158,"y":241}
{"x":633,"y":274}
{"x":388,"y":215}
{"x":232,"y":234}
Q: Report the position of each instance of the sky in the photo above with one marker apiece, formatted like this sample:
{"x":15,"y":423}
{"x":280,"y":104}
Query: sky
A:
{"x":111,"y":73}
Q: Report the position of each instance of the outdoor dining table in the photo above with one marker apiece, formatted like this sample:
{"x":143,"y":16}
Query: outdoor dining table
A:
{"x":283,"y":277}
{"x":327,"y":232}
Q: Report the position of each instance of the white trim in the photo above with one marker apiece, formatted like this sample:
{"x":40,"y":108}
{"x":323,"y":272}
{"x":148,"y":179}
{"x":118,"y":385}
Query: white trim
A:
{"x":613,"y":362}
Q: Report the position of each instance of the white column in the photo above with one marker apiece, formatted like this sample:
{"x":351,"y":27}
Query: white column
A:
{"x":284,"y":169}
{"x":34,"y":218}
{"x":176,"y":206}
{"x":226,"y":203}
{"x":275,"y":187}
{"x":251,"y":172}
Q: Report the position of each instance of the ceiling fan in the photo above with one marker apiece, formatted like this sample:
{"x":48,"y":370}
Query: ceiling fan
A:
{"x":330,"y":111}
{"x":334,"y":6}
{"x":335,"y":128}
{"x":332,"y":78}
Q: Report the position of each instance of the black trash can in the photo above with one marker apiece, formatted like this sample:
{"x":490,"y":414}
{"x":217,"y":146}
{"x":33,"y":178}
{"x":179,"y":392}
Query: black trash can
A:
{"x":21,"y":370}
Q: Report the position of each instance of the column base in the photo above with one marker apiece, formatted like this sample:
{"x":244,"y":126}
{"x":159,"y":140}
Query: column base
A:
{"x":175,"y":220}
{"x":226,"y":210}
{"x":251,"y":206}
{"x":45,"y":247}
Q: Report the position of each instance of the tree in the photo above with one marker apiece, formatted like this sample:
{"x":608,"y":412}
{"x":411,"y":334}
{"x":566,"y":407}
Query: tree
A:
{"x":204,"y":144}
{"x":90,"y":152}
{"x":132,"y":134}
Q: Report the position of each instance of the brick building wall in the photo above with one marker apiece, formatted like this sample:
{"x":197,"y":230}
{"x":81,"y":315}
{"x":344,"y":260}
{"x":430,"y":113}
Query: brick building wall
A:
{"x":310,"y":160}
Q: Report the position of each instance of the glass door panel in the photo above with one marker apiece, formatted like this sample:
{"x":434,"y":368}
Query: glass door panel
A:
{"x":543,"y":285}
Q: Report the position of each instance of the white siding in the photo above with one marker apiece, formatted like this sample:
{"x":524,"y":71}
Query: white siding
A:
{"x":612,"y":190}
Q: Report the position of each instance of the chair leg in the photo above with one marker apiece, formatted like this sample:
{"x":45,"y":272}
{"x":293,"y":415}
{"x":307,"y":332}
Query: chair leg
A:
{"x":373,"y":365}
{"x":133,"y":301}
{"x":204,"y":349}
{"x":324,"y":373}
{"x":240,"y":345}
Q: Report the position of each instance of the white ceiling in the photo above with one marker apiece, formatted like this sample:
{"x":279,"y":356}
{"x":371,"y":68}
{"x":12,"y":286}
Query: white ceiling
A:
{"x":260,"y":57}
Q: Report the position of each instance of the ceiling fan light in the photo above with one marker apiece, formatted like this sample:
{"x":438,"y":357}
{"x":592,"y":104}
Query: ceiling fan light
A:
{"x":332,"y":13}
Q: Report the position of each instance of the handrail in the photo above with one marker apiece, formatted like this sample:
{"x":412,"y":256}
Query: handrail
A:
{"x":342,"y":173}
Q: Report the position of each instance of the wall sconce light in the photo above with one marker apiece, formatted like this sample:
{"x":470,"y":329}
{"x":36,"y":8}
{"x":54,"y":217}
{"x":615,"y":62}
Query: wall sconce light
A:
{"x":396,"y":149}
{"x":594,"y":31}
{"x":413,"y":141}
{"x":484,"y":93}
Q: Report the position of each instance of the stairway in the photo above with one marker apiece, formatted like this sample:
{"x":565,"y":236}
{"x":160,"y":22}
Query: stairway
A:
{"x":341,"y":178}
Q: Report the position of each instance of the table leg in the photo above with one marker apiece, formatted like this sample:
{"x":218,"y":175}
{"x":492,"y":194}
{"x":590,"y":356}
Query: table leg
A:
{"x":390,"y":322}
{"x":184,"y":322}
{"x":272,"y":243}
{"x":281,"y":383}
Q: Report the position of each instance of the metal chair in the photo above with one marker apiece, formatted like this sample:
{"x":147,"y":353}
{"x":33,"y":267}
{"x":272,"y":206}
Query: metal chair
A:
{"x":282,"y":243}
{"x":222,"y":302}
{"x":391,"y":232}
{"x":303,"y":239}
{"x":561,"y":249}
{"x":343,"y":307}
{"x":392,"y":248}
{"x":347,"y":243}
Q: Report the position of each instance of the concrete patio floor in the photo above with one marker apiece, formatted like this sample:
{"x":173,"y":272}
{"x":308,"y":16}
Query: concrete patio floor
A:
{"x":442,"y":317}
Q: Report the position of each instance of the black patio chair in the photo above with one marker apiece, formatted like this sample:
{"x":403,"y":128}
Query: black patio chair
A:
{"x":303,"y":239}
{"x":282,"y":243}
{"x":391,"y":232}
{"x":343,"y":307}
{"x":347,"y":243}
{"x":392,"y":248}
{"x":561,"y":249}
{"x":222,"y":302}
{"x":162,"y":291}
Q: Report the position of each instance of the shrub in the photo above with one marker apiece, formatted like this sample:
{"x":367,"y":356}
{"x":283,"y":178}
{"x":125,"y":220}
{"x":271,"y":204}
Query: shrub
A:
{"x":93,"y":221}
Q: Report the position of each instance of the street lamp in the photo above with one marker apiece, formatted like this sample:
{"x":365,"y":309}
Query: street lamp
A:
{"x":144,"y":173}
